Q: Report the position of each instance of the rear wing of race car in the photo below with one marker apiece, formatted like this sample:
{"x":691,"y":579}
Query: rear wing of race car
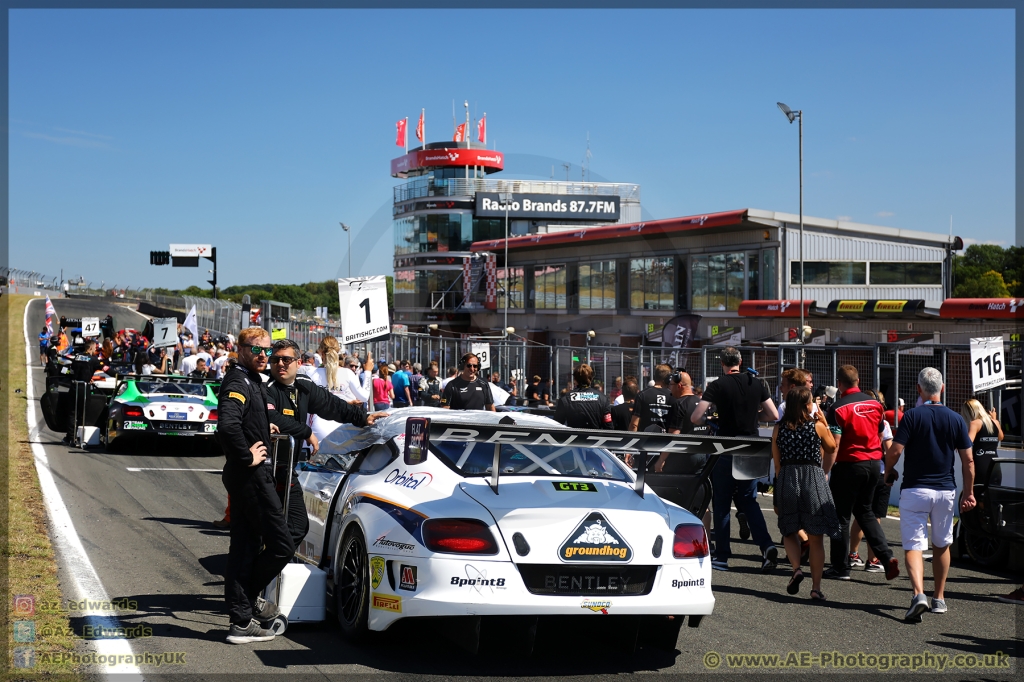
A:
{"x":166,"y":378}
{"x":632,"y":442}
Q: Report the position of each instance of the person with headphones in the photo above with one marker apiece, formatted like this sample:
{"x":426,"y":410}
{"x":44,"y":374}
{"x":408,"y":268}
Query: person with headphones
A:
{"x":468,"y":391}
{"x":583,"y":407}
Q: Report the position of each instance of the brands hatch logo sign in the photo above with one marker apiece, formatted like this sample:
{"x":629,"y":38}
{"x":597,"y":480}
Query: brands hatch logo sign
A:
{"x":595,"y":540}
{"x":699,"y":221}
{"x":783,"y":306}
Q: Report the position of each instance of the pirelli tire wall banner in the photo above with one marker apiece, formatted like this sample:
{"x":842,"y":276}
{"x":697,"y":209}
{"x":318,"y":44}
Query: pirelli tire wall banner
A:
{"x":873,"y":308}
{"x":550,"y":206}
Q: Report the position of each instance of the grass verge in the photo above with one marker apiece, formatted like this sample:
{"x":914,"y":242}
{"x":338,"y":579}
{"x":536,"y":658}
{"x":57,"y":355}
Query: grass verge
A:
{"x":30,"y":562}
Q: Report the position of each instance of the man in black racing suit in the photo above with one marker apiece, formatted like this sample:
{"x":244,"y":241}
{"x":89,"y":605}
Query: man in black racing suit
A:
{"x":83,"y":366}
{"x":583,"y":407}
{"x":292,"y":398}
{"x":257,"y":518}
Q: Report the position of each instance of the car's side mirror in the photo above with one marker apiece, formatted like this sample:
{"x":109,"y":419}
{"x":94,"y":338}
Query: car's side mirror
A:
{"x":417,"y":438}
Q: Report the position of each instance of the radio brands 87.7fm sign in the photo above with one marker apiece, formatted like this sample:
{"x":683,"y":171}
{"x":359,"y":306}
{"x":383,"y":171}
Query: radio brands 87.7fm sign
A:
{"x":567,"y":206}
{"x":364,"y":308}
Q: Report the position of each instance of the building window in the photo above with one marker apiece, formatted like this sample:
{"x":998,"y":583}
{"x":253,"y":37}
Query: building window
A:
{"x":651,"y":283}
{"x":549,"y":287}
{"x":906,"y":273}
{"x":719,"y":281}
{"x":825,"y":272}
{"x":515,"y":287}
{"x":597,"y":285}
{"x":753,"y":276}
{"x":768,"y":280}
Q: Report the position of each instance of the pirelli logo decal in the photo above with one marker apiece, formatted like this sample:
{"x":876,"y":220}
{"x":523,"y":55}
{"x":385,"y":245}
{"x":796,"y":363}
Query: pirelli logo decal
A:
{"x":851,"y":306}
{"x":386,"y":603}
{"x":237,"y":396}
{"x":890,"y":306}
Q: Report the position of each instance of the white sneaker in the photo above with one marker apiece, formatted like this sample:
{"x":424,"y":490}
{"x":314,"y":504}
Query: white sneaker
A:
{"x":251,"y":633}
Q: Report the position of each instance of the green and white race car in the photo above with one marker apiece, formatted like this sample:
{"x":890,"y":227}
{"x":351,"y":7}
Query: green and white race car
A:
{"x":148,"y":405}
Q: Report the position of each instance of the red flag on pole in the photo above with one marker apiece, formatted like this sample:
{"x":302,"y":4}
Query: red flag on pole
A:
{"x":460,"y":133}
{"x":481,"y":129}
{"x":401,"y":137}
{"x":419,"y":128}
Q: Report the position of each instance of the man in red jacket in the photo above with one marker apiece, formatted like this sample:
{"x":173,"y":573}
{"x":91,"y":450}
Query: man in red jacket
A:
{"x":856,"y":421}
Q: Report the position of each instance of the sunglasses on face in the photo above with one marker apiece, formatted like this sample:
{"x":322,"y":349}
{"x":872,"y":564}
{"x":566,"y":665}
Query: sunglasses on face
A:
{"x":256,"y":350}
{"x":473,"y":366}
{"x":353,"y":366}
{"x":284,"y":359}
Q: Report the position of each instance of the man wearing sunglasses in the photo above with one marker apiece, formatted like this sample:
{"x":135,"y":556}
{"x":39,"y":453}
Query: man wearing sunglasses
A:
{"x":292,"y":398}
{"x":468,"y":391}
{"x":257,"y":516}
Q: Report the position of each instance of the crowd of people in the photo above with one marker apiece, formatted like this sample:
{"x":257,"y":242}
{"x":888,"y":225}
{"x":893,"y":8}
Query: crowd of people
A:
{"x":834,"y":452}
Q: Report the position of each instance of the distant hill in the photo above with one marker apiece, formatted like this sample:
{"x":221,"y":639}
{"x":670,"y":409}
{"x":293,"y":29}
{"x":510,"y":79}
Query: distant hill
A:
{"x":300,"y":296}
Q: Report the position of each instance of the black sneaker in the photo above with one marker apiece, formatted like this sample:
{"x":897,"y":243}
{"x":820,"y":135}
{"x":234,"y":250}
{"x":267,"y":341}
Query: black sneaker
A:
{"x":771,"y":559}
{"x":834,"y":574}
{"x":253,"y":632}
{"x":744,"y":528}
{"x":265,"y":611}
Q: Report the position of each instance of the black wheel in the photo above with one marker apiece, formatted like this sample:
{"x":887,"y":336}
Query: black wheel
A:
{"x":352,"y":586}
{"x":279,"y":625}
{"x":661,"y":632}
{"x":985,"y":549}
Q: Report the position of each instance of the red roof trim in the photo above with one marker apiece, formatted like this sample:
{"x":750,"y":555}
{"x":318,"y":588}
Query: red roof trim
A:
{"x":982,"y":308}
{"x":786,"y":308}
{"x":592,"y":234}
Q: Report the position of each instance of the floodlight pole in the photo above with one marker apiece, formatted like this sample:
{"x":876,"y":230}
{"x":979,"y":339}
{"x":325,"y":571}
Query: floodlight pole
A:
{"x":800,"y":115}
{"x":345,"y":227}
{"x":803,"y":352}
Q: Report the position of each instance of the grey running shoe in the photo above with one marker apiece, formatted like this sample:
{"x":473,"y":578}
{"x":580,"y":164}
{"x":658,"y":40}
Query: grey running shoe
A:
{"x":251,"y":633}
{"x":264,"y":610}
{"x":939,"y":606}
{"x":771,"y":559}
{"x":918,"y":605}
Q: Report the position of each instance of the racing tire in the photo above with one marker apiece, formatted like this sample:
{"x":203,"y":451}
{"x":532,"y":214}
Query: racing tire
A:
{"x":984,"y":549}
{"x":661,"y":632}
{"x":352,"y":587}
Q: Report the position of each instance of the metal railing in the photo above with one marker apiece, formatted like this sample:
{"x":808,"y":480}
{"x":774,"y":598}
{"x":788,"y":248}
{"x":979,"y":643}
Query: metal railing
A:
{"x":432,"y":187}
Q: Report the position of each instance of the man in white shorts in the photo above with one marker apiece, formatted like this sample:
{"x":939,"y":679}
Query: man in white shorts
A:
{"x":930,"y":435}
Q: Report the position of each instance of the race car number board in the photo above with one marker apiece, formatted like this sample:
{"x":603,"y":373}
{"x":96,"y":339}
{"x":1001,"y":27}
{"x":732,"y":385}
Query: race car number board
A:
{"x":165,"y":332}
{"x":90,"y":326}
{"x":987,"y":366}
{"x":483,"y":352}
{"x":364,"y":308}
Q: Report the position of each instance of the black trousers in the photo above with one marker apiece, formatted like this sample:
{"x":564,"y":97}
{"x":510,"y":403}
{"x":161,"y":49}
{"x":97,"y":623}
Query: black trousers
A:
{"x":261,"y":544}
{"x":853,"y":488}
{"x":298,"y":520}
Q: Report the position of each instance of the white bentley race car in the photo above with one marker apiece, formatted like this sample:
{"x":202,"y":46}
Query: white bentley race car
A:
{"x":470,"y":515}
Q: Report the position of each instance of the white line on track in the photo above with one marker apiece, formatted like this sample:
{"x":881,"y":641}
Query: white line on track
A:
{"x":85,"y":582}
{"x":168,"y":469}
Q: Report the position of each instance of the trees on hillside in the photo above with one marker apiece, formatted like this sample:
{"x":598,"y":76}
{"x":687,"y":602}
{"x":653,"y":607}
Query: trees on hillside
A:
{"x":300,"y":296}
{"x":989,"y":271}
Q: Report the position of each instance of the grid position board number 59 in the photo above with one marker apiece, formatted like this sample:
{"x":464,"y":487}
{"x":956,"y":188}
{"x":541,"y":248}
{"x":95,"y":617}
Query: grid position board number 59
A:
{"x":988,"y":368}
{"x":364,"y":308}
{"x":165,"y":332}
{"x":90,"y":326}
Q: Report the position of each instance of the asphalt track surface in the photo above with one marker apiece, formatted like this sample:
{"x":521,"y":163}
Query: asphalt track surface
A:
{"x":150,"y":538}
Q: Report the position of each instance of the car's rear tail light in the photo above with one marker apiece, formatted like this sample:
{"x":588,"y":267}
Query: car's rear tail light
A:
{"x":213,"y":415}
{"x":691,"y":540}
{"x":458,"y":536}
{"x":133,"y":411}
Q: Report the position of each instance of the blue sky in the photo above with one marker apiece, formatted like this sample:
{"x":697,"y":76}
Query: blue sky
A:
{"x":259,"y":130}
